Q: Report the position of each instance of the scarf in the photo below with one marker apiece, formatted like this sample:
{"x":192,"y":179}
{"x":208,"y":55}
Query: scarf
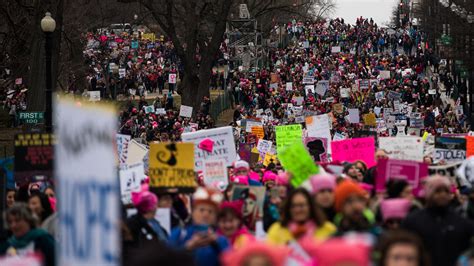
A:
{"x":26,"y":239}
{"x":300,"y":230}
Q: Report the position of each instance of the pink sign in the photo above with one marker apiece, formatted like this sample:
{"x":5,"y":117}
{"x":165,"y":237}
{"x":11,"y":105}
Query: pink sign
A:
{"x":411,"y":171}
{"x":351,"y":150}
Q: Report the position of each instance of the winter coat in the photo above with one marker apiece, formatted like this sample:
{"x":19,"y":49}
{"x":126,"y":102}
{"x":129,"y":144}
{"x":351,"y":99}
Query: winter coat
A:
{"x":280,"y":235}
{"x":142,"y":232}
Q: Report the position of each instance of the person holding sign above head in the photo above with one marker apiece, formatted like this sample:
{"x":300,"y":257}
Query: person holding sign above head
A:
{"x":143,"y":226}
{"x":301,"y":219}
{"x":200,"y":238}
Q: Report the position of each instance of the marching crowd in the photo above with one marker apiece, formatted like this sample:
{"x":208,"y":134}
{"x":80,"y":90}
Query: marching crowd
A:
{"x":260,"y":219}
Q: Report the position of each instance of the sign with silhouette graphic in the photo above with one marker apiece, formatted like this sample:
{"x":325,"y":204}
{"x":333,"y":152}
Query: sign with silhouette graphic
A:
{"x":317,"y":148}
{"x":172,"y":166}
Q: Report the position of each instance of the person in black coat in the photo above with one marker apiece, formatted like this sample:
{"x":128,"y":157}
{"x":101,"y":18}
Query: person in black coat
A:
{"x":143,"y":226}
{"x":445,"y":234}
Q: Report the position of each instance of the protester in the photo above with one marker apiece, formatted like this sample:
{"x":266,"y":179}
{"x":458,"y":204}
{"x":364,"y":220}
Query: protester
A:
{"x":200,"y":237}
{"x":444,"y":233}
{"x":231,"y":225}
{"x":26,"y":237}
{"x":40,"y":205}
{"x":10,"y":198}
{"x":401,"y":248}
{"x":393,"y":212}
{"x":323,"y":189}
{"x":300,"y":218}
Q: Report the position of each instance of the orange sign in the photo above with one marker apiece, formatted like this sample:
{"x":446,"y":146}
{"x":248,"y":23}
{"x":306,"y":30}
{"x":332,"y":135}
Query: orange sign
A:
{"x":469,"y":146}
{"x":258,"y":131}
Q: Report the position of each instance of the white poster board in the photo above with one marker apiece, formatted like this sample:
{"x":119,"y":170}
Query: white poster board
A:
{"x":172,"y":78}
{"x":385,"y":74}
{"x":224,"y":146}
{"x":186,"y":111}
{"x":322,"y":87}
{"x":136,"y":152}
{"x":94,"y":96}
{"x":403,"y":148}
{"x":336,"y":49}
{"x":318,"y":126}
{"x":123,"y":142}
{"x":160,"y":111}
{"x":130,"y":180}
{"x":289,"y":86}
{"x":345,"y":92}
{"x":215,"y":174}
{"x":88,"y":188}
{"x":163,"y":216}
{"x":354,"y":117}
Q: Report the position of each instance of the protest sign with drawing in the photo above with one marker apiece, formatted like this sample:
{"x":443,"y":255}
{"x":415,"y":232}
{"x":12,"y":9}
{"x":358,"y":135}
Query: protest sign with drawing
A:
{"x":253,"y":198}
{"x":131,"y":177}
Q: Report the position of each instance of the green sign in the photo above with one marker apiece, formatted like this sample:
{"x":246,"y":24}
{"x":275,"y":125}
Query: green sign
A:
{"x":296,"y":160}
{"x":31,"y":117}
{"x":446,"y":39}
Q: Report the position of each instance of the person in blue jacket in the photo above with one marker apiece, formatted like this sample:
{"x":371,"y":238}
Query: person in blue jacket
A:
{"x":200,"y":238}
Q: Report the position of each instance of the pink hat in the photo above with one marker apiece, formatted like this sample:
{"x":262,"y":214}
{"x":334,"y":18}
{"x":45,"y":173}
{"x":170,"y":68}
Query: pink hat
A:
{"x":435,"y":182}
{"x":394,"y":208}
{"x":322,"y":181}
{"x":341,"y":250}
{"x":236,"y":206}
{"x":241,"y":180}
{"x":241,"y":164}
{"x":254,"y":176}
{"x":269,"y":176}
{"x":144,"y":200}
{"x":277,"y":255}
{"x":282,"y":179}
{"x":366,"y":187}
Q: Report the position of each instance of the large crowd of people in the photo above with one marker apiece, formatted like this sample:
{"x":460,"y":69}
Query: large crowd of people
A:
{"x":261,"y":218}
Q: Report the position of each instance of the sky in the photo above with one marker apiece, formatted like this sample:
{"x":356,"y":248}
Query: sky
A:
{"x":379,"y":10}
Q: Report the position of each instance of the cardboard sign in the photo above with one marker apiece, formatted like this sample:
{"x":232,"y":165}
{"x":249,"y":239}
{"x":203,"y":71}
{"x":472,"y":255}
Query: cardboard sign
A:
{"x":88,"y":190}
{"x":413,"y":172}
{"x":351,"y":150}
{"x":186,"y":111}
{"x":287,"y":135}
{"x":136,"y":152}
{"x":449,"y":149}
{"x":32,"y":259}
{"x":245,"y":150}
{"x":406,"y":148}
{"x":149,"y":109}
{"x":318,"y":148}
{"x":172,"y":166}
{"x":296,"y":160}
{"x":299,"y":100}
{"x":318,"y":126}
{"x":94,"y":96}
{"x":289,"y":86}
{"x":123,"y":142}
{"x":33,"y":157}
{"x":249,"y":124}
{"x":172,"y":78}
{"x":269,"y":158}
{"x":370,"y":120}
{"x":274,"y":78}
{"x":258,"y":131}
{"x":215,"y":174}
{"x":224,"y":146}
{"x":130,"y":180}
{"x":393,"y":95}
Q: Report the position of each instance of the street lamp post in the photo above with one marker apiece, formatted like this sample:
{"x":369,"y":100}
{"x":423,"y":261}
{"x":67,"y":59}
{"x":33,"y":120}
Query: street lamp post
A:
{"x":48,"y":25}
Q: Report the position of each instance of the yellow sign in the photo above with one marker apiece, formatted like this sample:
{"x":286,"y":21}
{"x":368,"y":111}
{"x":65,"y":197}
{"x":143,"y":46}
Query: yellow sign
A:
{"x":270,"y":158}
{"x":369,"y":120}
{"x":258,"y":131}
{"x":172,"y":165}
{"x":149,"y":36}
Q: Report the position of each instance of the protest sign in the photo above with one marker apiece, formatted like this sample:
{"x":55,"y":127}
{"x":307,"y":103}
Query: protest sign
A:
{"x":251,"y":123}
{"x":318,"y":148}
{"x":318,"y":126}
{"x":289,"y":86}
{"x":224,"y":147}
{"x":364,"y":84}
{"x":432,"y":91}
{"x":345,"y":92}
{"x":149,"y":109}
{"x":448,"y":170}
{"x":33,"y":259}
{"x":309,"y":89}
{"x":336,"y":49}
{"x":264,"y":146}
{"x":354,"y":117}
{"x":296,"y":160}
{"x":134,"y":45}
{"x":351,"y":150}
{"x":172,"y":166}
{"x":393,"y":95}
{"x":88,"y":186}
{"x":186,"y":111}
{"x":18,"y":81}
{"x":299,"y":100}
{"x":163,"y":216}
{"x":269,"y":158}
{"x":258,"y":131}
{"x":385,"y":74}
{"x":136,"y":152}
{"x":33,"y":157}
{"x":406,"y":148}
{"x":469,"y":146}
{"x":322,"y":87}
{"x":215,"y":174}
{"x":274,"y":78}
{"x":122,"y":72}
{"x":94,"y":96}
{"x":308,"y":80}
{"x":253,"y":198}
{"x":172,"y":78}
{"x":160,"y":111}
{"x":123,"y":142}
{"x":449,"y":149}
{"x":369,"y":120}
{"x":413,"y":172}
{"x":379,"y":95}
{"x":245,"y":151}
{"x":338,"y":108}
{"x":287,"y":135}
{"x":149,"y":36}
{"x":130,"y":180}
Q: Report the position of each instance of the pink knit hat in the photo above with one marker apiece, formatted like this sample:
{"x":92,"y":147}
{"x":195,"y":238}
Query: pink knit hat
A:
{"x":144,"y":200}
{"x":254,"y":176}
{"x":269,"y":176}
{"x":282,"y":178}
{"x":277,"y":255}
{"x":322,"y":181}
{"x":341,"y":250}
{"x":394,"y":208}
{"x":240,"y":180}
{"x":435,"y":182}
